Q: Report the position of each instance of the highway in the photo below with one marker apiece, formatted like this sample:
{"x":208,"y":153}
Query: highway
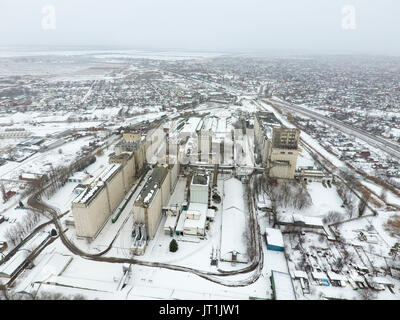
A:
{"x":386,"y":146}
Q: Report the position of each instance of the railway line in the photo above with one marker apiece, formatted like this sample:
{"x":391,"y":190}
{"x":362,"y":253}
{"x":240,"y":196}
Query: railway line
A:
{"x":215,"y":277}
{"x":29,"y":259}
{"x":386,"y":146}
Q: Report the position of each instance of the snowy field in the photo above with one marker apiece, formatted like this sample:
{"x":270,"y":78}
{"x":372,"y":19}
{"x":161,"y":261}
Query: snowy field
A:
{"x":324,"y":200}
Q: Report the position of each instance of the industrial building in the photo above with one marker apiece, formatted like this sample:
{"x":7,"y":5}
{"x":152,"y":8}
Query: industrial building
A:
{"x":154,"y":196}
{"x":97,"y":202}
{"x":78,"y":177}
{"x":98,"y":199}
{"x":282,"y":156}
{"x":264,"y":122}
{"x":214,"y":140}
{"x":277,"y":146}
{"x":128,"y":167}
{"x":310,"y":175}
{"x":172,"y":219}
{"x":195,"y":219}
{"x":199,"y":188}
{"x":132,"y":142}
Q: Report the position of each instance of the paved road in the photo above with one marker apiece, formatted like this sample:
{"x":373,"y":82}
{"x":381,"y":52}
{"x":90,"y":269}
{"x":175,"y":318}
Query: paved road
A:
{"x":256,"y":264}
{"x":386,"y":146}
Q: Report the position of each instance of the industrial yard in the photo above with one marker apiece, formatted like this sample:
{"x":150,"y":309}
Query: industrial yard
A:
{"x":183,"y":188}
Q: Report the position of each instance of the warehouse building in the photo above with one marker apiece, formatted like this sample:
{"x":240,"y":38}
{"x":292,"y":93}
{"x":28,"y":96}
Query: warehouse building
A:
{"x":274,"y":239}
{"x":233,"y":246}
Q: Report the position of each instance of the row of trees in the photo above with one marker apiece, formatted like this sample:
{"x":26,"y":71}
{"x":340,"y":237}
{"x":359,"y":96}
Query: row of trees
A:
{"x":16,"y":233}
{"x":59,"y":176}
{"x":349,"y":200}
{"x":42,"y":295}
{"x":247,"y":235}
{"x":283,"y":195}
{"x":291,"y":195}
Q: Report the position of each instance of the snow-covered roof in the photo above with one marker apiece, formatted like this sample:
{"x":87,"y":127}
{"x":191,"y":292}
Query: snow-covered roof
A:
{"x":233,"y":217}
{"x":233,"y":227}
{"x":336,"y":276}
{"x":170,"y":222}
{"x":199,"y":209}
{"x":191,"y":125}
{"x":233,"y":194}
{"x":153,"y":184}
{"x":274,"y":237}
{"x":181,"y":221}
{"x":79,"y":175}
{"x":8,"y":268}
{"x":300,"y":274}
{"x":382,"y":280}
{"x":307,"y":220}
{"x":283,"y":286}
{"x":210,"y":213}
{"x":356,"y":277}
{"x":319,"y":275}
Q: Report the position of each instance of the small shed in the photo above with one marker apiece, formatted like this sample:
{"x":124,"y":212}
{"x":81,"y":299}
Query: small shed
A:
{"x":170,"y":224}
{"x":274,"y":239}
{"x":321,"y":278}
{"x":337,"y":279}
{"x":380,"y":283}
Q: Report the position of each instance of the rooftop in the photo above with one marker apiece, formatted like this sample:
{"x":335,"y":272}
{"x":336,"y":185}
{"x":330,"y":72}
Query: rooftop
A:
{"x":200,"y":179}
{"x":152,"y":185}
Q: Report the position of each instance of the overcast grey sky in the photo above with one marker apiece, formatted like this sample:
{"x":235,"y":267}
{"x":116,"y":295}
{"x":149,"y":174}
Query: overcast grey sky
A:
{"x":301,"y":26}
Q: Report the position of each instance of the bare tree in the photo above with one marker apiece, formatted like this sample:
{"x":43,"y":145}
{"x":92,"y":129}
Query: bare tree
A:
{"x":362,"y":206}
{"x":394,"y":250}
{"x":3,"y":291}
{"x":3,"y":192}
{"x":367,"y":294}
{"x":332,"y":217}
{"x":350,"y":178}
{"x":384,"y":195}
